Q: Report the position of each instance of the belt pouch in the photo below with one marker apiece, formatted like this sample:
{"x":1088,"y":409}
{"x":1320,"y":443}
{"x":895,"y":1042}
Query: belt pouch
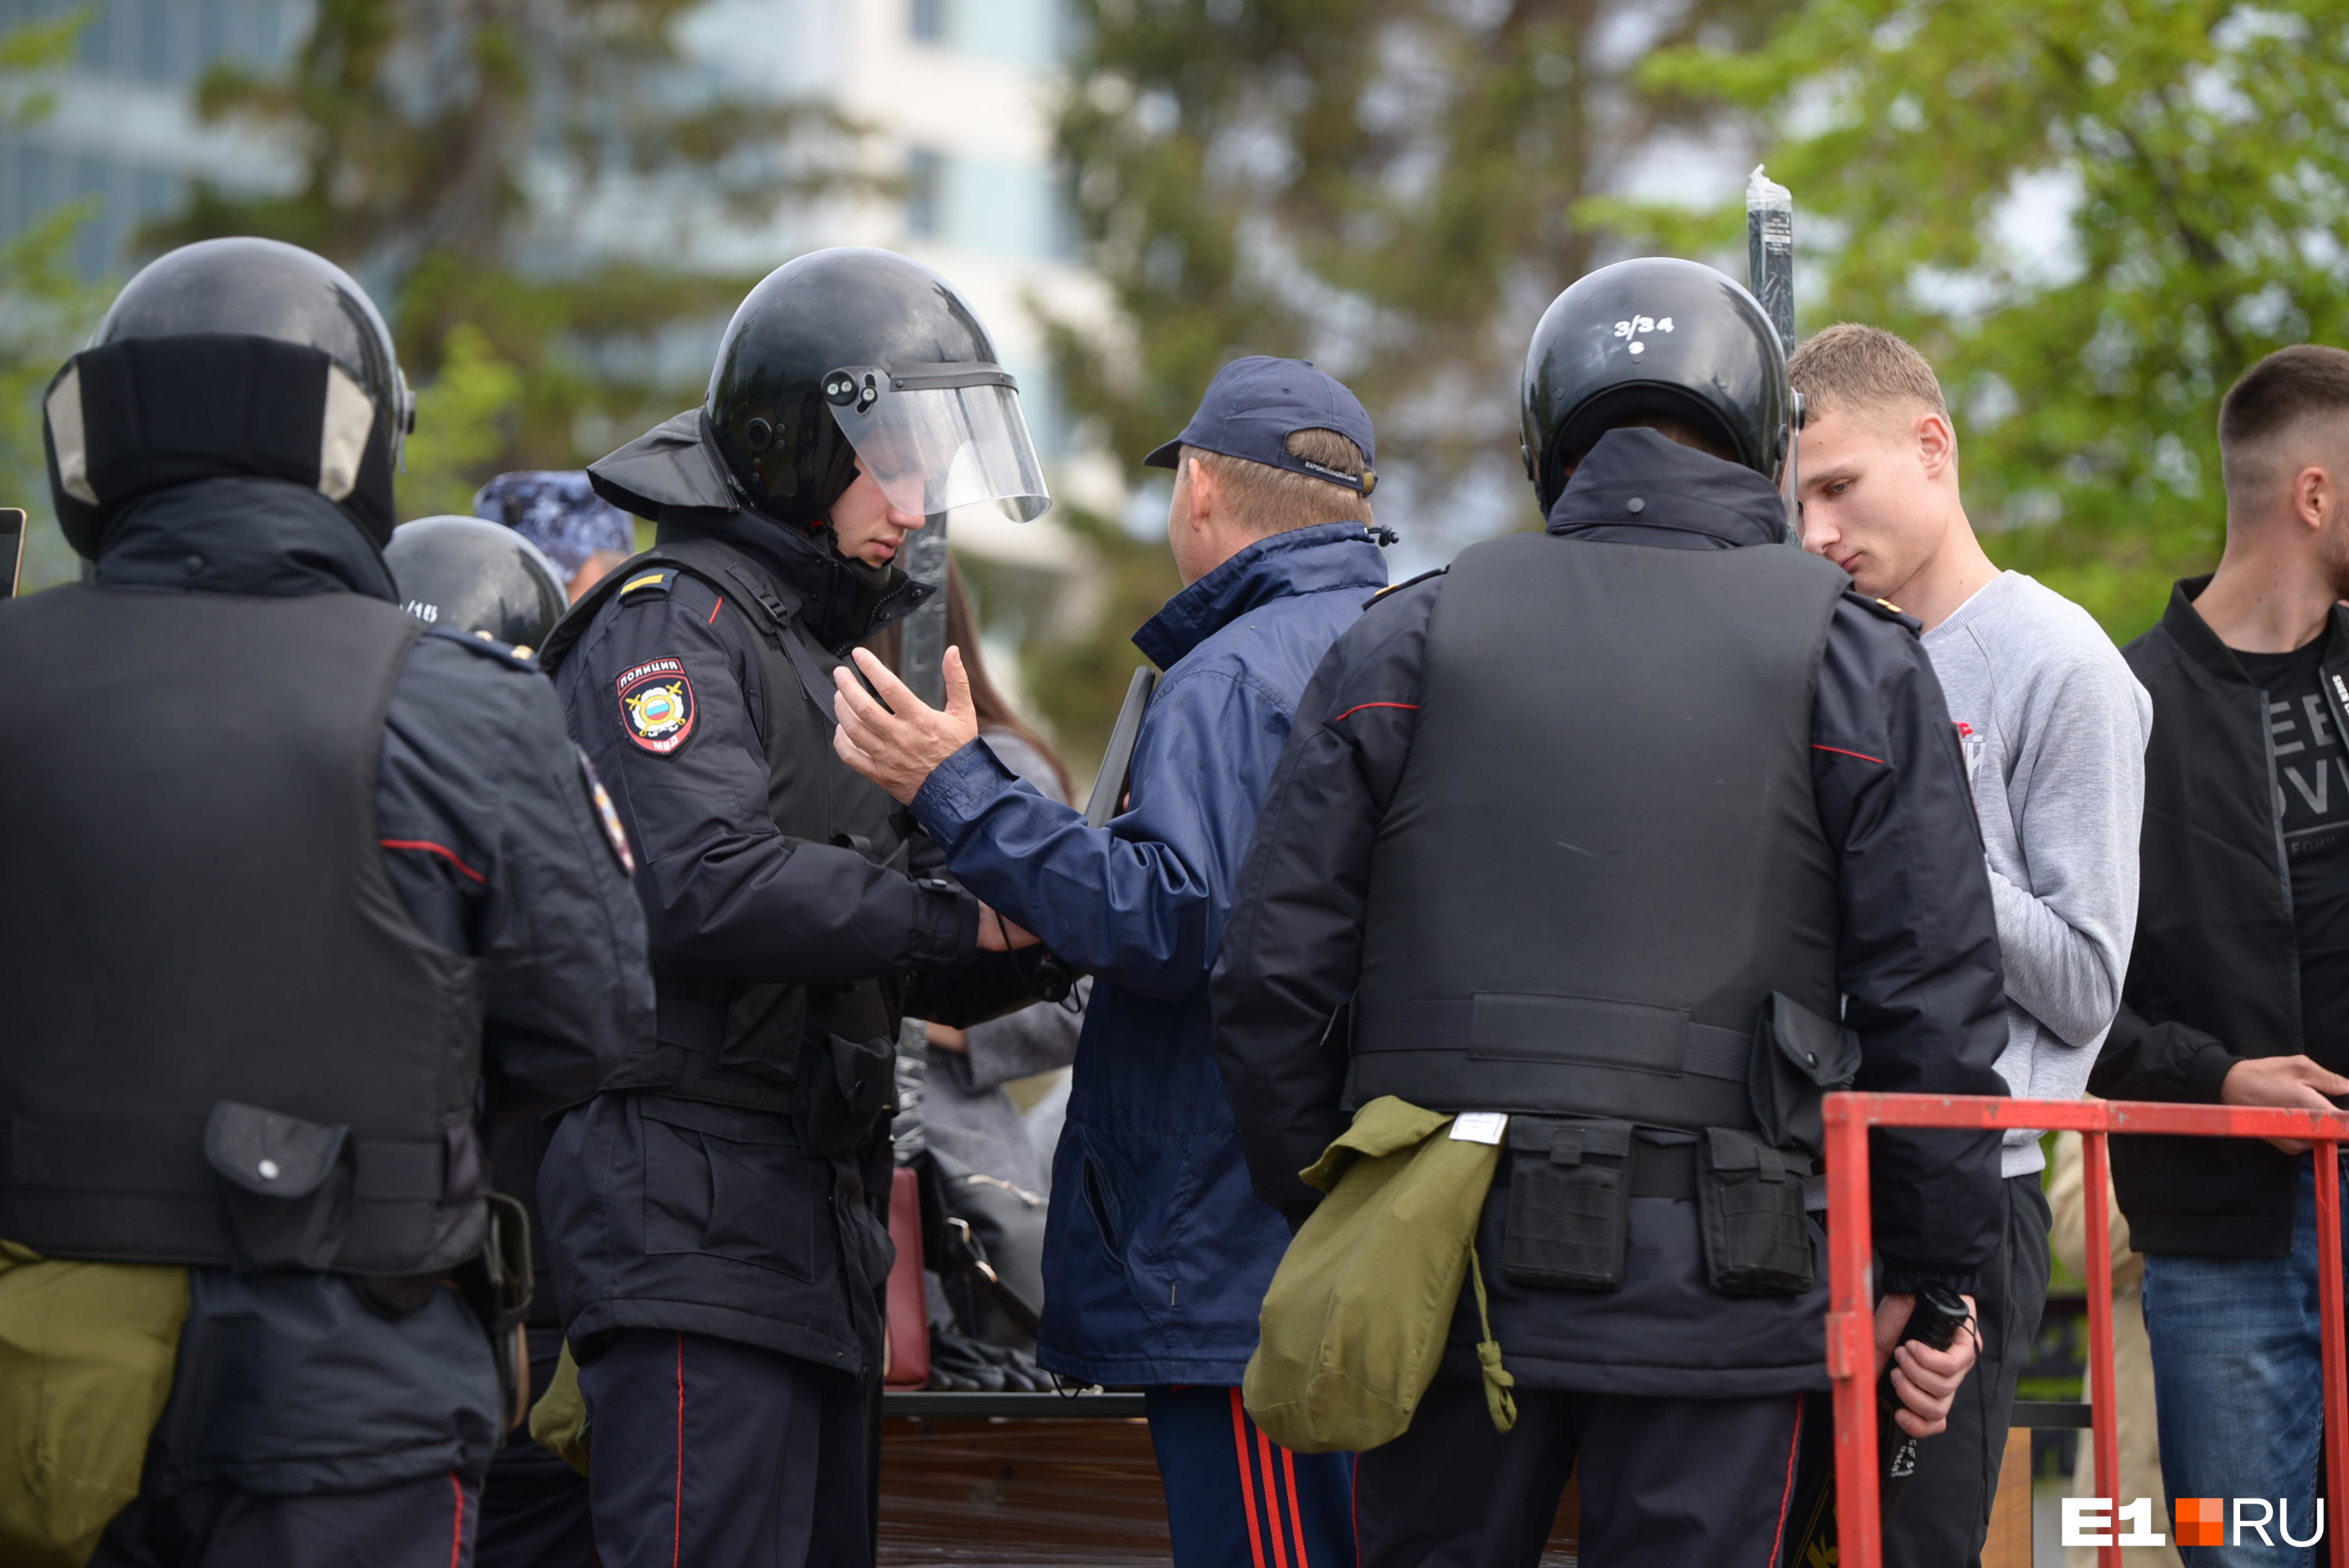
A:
{"x":846,"y":1089}
{"x":1570,"y":1203}
{"x":1799,"y":1057}
{"x":1750,"y":1198}
{"x":285,"y":1187}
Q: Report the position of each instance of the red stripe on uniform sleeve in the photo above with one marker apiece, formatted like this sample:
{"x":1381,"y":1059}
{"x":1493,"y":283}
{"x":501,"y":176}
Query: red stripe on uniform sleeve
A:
{"x":430,"y":847}
{"x":1839,"y":751}
{"x":1360,"y":705}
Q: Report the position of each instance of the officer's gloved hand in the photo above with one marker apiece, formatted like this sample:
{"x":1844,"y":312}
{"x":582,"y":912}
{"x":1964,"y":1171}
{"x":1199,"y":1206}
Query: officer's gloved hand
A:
{"x":1021,"y":1373}
{"x":962,"y":1365}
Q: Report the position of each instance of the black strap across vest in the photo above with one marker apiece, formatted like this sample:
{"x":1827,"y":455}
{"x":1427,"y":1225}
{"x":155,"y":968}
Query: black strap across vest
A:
{"x":196,"y":915}
{"x":1603,"y":855}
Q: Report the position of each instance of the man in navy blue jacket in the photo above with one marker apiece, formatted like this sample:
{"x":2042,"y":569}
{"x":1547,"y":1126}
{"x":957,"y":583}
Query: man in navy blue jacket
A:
{"x":1158,"y":1253}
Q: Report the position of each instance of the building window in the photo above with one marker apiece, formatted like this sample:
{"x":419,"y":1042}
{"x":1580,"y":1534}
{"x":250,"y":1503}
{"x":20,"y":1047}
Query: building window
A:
{"x":927,"y":21}
{"x":925,"y":180}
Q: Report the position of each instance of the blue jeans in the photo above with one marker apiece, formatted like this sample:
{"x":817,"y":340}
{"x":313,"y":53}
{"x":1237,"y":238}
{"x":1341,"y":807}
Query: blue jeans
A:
{"x":2238,"y":1379}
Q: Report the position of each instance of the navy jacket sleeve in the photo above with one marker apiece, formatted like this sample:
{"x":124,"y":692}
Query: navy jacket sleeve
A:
{"x":1919,"y":953}
{"x":490,"y":830}
{"x":1919,"y":961}
{"x":1142,"y":901}
{"x":1293,"y":949}
{"x":725,"y":891}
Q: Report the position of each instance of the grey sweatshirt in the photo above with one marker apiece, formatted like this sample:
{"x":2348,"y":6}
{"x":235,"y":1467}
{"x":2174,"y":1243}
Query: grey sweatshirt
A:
{"x":2054,"y":727}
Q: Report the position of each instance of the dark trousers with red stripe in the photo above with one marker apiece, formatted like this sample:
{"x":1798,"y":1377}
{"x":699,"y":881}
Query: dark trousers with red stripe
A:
{"x":422,"y":1523}
{"x":1663,"y":1480}
{"x":721,"y":1455}
{"x":1235,"y":1499}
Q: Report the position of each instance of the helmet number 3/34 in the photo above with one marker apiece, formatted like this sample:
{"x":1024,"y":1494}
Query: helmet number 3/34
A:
{"x":1639,"y":326}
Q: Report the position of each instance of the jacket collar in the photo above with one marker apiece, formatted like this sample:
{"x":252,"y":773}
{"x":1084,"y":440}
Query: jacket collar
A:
{"x":839,"y":602}
{"x":268,"y":538}
{"x":2197,"y":641}
{"x":1686,"y":500}
{"x":1329,"y":557}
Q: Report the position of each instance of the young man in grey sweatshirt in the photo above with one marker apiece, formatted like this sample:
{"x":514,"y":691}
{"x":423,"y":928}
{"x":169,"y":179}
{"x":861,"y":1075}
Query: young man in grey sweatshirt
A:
{"x":2053,"y":727}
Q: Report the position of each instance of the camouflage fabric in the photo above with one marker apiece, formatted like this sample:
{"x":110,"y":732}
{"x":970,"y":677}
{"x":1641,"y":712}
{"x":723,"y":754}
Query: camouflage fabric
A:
{"x":555,"y":510}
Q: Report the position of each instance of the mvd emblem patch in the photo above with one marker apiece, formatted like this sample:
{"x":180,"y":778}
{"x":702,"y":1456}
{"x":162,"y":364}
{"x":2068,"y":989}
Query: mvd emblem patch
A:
{"x":656,"y":704}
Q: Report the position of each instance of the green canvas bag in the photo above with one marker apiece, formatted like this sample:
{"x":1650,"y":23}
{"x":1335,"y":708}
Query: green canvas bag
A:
{"x":87,"y":1352}
{"x":1355,"y":1322}
{"x":558,"y":1422}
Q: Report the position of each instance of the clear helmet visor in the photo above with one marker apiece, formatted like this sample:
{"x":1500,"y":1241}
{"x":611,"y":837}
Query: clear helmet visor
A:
{"x":940,"y":438}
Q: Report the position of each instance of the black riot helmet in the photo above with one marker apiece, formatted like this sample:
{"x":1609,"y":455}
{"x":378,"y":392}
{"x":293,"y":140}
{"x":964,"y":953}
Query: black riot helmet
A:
{"x":845,"y":359}
{"x":470,"y":575}
{"x":1649,"y":339}
{"x":242,"y":356}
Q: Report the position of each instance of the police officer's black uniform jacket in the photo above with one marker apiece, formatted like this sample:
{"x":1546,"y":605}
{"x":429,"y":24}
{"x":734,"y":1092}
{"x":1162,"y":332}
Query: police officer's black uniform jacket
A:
{"x":1461,"y":908}
{"x":312,"y":801}
{"x":732,"y":1180}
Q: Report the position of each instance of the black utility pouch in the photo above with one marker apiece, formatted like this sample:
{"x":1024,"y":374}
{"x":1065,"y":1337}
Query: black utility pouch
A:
{"x":1798,"y":1057}
{"x":847,"y":1089}
{"x":1750,"y":1198}
{"x":497,"y":1286}
{"x":1570,"y":1203}
{"x":285,"y":1187}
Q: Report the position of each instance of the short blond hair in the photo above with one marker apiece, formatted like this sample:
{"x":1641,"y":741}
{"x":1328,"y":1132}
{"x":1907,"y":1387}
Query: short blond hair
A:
{"x":1275,"y":501}
{"x":1865,"y":369}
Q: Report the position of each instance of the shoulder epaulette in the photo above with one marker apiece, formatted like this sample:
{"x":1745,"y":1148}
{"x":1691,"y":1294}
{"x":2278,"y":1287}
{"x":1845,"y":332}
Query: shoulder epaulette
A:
{"x":1884,"y":609}
{"x":1406,"y":582}
{"x":653,"y":579}
{"x":514,"y":655}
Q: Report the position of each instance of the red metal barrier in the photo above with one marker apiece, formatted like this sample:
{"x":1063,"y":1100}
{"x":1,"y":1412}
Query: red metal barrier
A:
{"x":1851,"y":1314}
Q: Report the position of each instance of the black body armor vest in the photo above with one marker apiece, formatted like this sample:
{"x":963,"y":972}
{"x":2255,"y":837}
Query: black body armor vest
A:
{"x":731,"y":1042}
{"x":1604,"y":853}
{"x":223,"y":1039}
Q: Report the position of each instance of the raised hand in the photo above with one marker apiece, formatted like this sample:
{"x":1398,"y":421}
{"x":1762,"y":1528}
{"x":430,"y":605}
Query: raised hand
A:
{"x":898,"y":745}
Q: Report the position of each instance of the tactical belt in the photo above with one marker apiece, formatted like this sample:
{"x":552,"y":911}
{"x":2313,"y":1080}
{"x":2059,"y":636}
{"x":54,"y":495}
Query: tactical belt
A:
{"x":1451,"y":1026}
{"x":1557,"y":1056}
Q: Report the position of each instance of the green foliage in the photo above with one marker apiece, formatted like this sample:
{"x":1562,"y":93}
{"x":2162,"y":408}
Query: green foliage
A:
{"x":2203,"y":150}
{"x":1385,"y":186}
{"x":463,"y":420}
{"x":44,"y":307}
{"x":1385,"y":183}
{"x":444,"y":149}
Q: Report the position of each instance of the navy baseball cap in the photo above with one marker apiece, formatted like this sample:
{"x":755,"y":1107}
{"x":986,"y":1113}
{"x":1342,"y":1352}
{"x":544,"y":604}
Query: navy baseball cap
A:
{"x":1253,"y":407}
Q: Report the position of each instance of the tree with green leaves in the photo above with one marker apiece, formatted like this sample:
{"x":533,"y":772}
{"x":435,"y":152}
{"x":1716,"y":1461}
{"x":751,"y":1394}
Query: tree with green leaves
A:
{"x":439,"y":146}
{"x":2092,"y":216}
{"x":45,"y":306}
{"x":1387,"y":187}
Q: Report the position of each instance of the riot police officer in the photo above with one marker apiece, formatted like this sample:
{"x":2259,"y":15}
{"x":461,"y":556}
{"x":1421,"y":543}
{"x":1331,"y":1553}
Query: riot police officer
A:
{"x":1591,"y":827}
{"x":470,"y":577}
{"x":476,"y":578}
{"x":298,"y":888}
{"x":716,"y":1214}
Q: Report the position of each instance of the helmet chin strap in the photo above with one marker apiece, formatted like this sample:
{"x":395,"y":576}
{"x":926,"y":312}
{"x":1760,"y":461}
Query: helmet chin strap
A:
{"x":1794,"y":474}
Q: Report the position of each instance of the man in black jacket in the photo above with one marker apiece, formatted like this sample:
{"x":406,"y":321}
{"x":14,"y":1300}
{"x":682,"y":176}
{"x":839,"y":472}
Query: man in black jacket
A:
{"x":299,"y":892}
{"x":2238,"y":989}
{"x":717,"y":1216}
{"x":1569,"y":823}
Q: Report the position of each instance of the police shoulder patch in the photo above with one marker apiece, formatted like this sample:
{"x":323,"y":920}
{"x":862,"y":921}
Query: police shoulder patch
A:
{"x":656,"y":704}
{"x":656,"y":580}
{"x":607,"y":814}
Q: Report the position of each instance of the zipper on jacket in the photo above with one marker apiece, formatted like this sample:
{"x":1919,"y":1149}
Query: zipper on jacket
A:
{"x":2283,"y":868}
